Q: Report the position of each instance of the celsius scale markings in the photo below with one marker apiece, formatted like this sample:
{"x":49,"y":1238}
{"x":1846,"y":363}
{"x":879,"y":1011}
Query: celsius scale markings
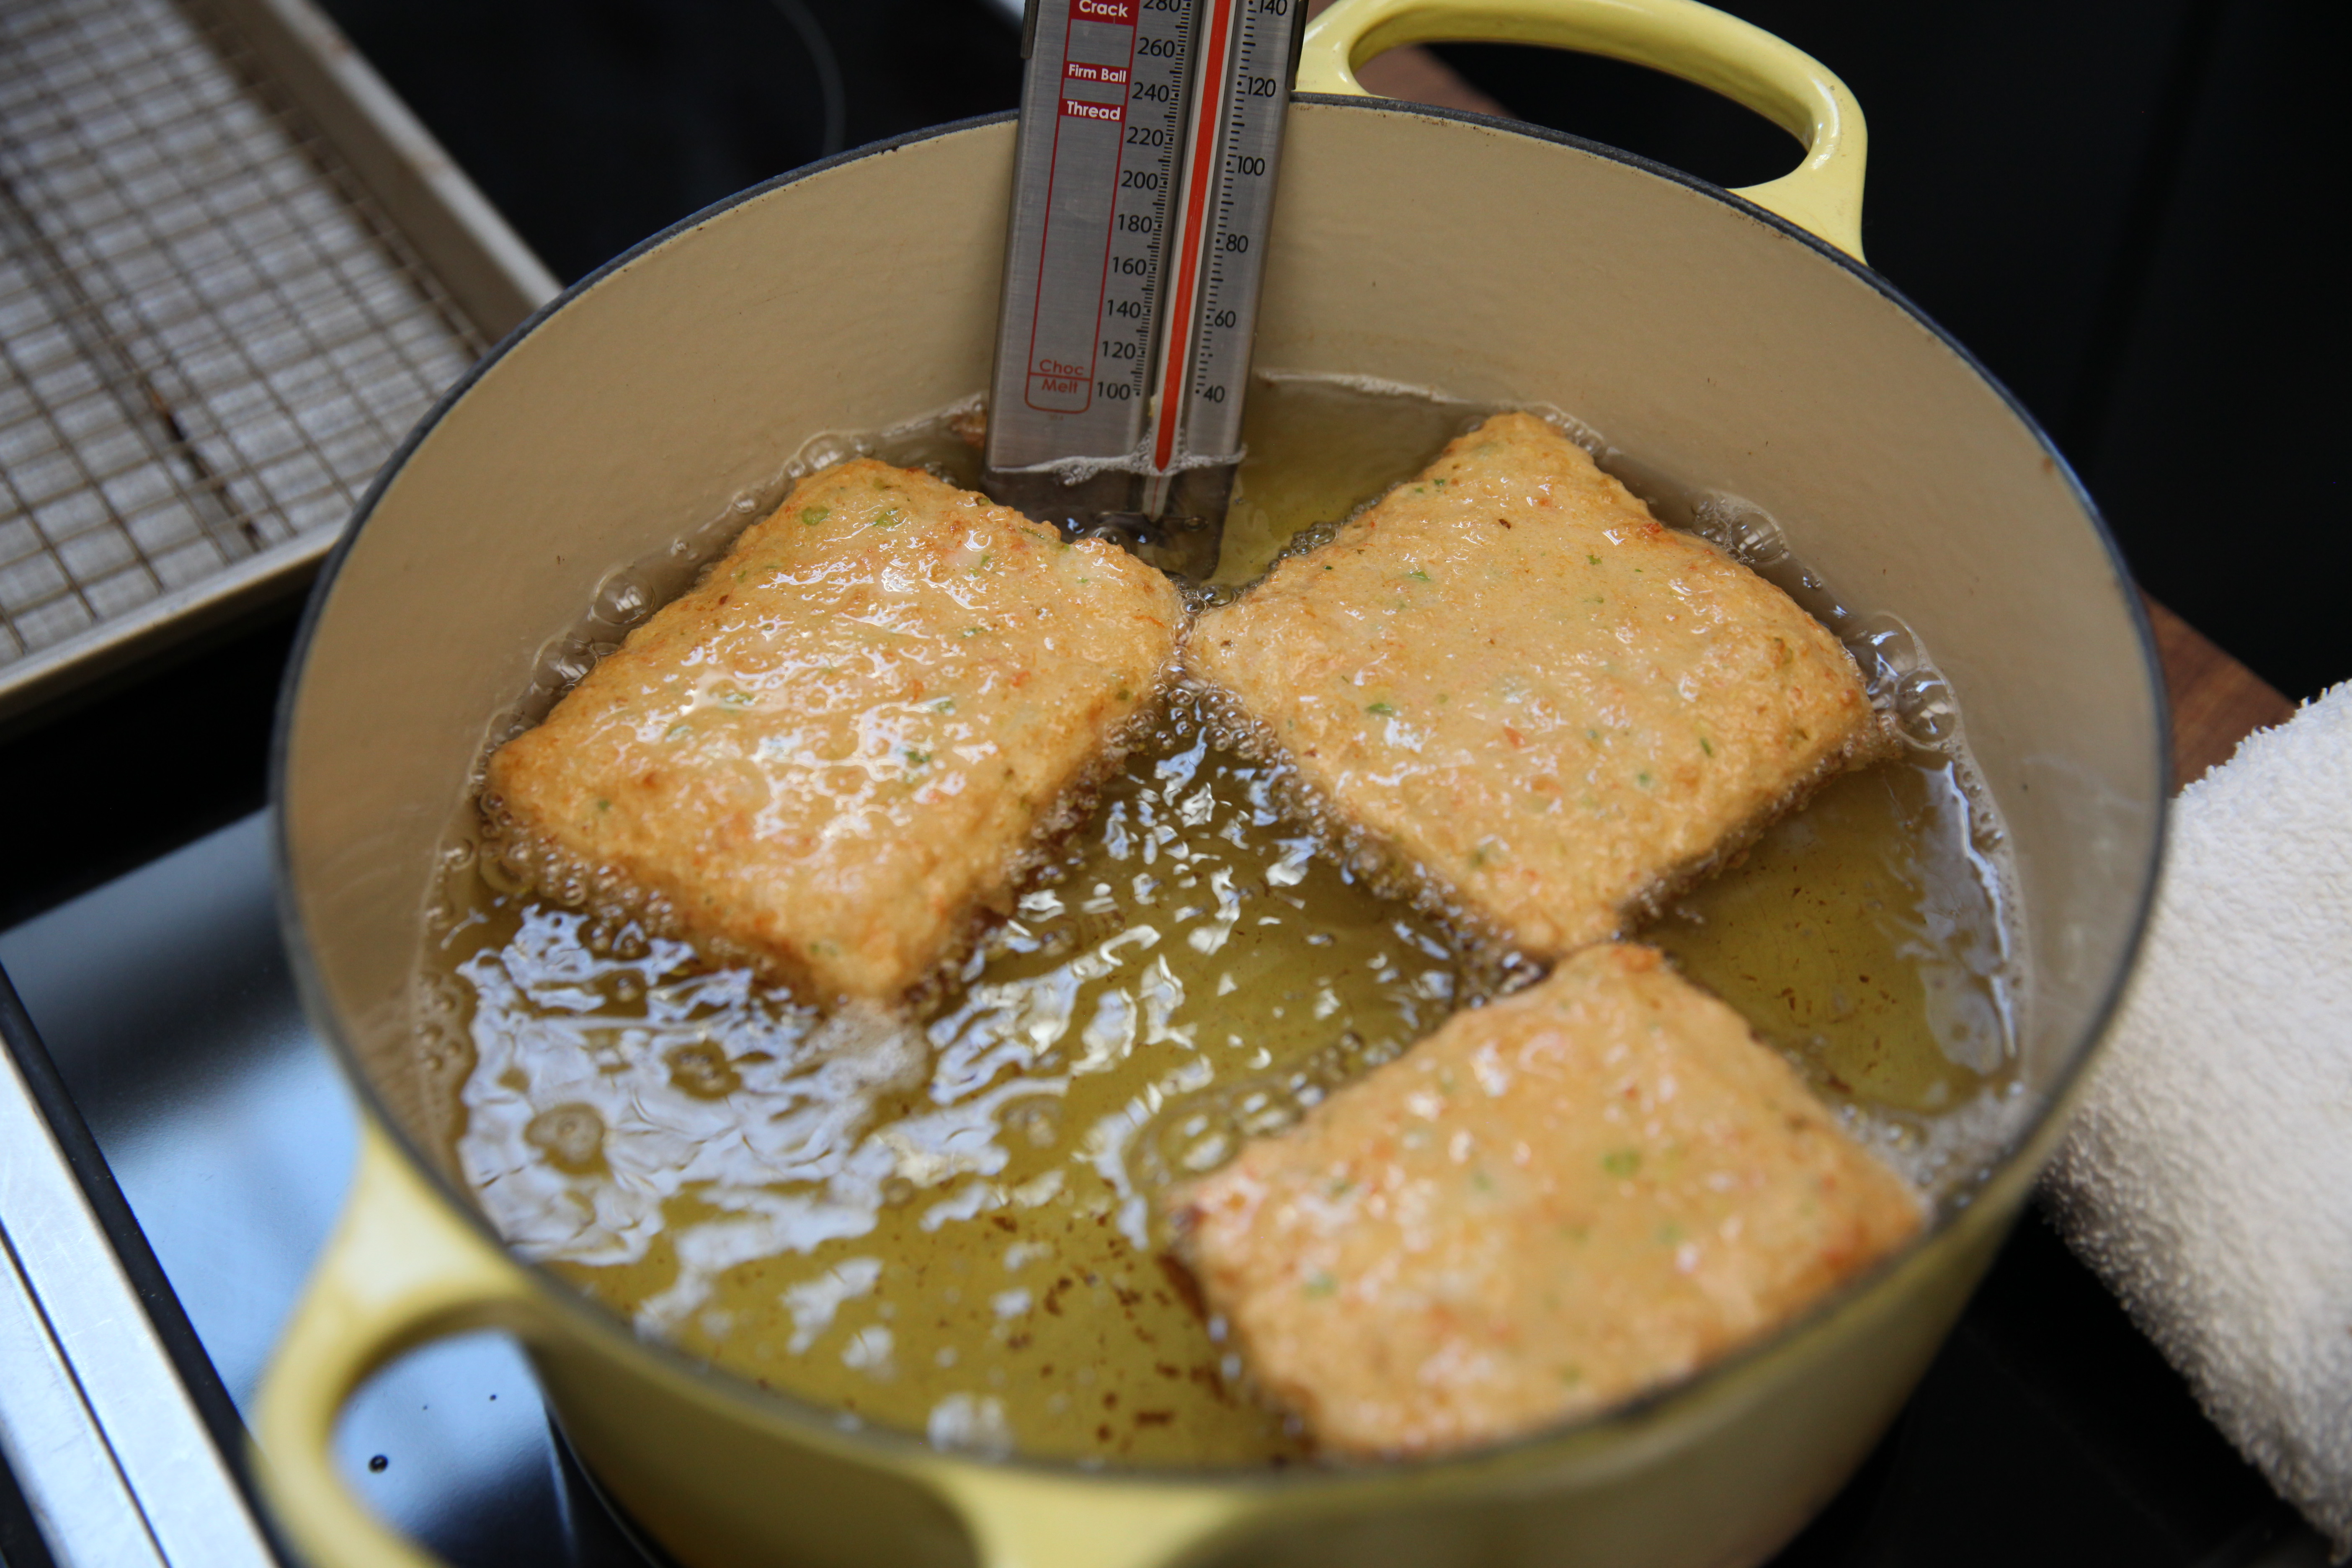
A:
{"x":1143,"y":185}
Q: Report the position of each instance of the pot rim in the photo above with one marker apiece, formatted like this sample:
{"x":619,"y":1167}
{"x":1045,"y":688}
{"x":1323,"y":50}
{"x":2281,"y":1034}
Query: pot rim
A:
{"x":886,"y":1445}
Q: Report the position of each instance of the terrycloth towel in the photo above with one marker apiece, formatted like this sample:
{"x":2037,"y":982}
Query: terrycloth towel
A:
{"x":2209,"y":1175}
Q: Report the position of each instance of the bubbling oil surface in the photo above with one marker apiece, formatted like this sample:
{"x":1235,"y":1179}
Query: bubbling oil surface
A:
{"x":941,"y":1223}
{"x":944,"y":1226}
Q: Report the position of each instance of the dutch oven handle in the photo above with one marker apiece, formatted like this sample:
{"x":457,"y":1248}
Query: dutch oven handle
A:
{"x":398,"y":1271}
{"x":1746,"y":64}
{"x":401,"y":1270}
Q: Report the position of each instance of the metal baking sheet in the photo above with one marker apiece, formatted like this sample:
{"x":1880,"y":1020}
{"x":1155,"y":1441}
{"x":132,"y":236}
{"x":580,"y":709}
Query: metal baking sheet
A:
{"x":212,"y":333}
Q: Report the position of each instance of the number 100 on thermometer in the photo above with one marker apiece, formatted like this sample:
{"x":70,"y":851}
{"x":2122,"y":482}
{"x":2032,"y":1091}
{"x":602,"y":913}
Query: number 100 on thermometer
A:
{"x":1143,"y":184}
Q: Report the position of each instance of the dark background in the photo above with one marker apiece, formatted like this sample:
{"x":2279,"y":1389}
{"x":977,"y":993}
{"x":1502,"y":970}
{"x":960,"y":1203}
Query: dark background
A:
{"x":2124,"y":207}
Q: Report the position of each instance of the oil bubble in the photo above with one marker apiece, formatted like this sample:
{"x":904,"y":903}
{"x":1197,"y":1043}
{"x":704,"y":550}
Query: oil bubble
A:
{"x":702,"y":1070}
{"x":501,"y":877}
{"x":572,"y":1136}
{"x":1038,"y":1122}
{"x":1742,"y":531}
{"x":623,"y":600}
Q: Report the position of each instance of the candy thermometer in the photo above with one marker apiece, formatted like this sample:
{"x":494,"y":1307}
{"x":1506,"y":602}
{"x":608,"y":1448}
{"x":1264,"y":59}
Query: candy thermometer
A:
{"x":1143,"y":186}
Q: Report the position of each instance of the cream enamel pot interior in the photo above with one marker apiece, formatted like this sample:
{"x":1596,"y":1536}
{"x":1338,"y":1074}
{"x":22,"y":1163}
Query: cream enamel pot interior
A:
{"x":1714,"y":341}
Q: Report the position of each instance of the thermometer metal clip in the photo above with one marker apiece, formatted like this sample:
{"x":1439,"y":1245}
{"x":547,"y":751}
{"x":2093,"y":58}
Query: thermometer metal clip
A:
{"x":1143,"y":188}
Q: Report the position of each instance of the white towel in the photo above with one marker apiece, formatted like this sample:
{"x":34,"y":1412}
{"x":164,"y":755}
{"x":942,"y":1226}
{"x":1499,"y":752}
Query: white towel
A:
{"x":2207,"y":1177}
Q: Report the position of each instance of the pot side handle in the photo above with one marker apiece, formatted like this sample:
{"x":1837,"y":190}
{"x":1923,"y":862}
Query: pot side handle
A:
{"x":1698,"y":43}
{"x":398,"y":1271}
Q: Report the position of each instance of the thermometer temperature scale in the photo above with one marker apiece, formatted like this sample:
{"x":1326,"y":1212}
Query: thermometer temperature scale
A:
{"x":1143,"y":187}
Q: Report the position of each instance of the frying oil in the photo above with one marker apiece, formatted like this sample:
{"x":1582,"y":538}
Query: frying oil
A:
{"x":941,"y":1223}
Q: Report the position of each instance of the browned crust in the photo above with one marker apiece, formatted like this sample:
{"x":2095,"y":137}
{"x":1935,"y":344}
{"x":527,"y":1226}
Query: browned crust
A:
{"x":1399,"y":604}
{"x":1005,"y":671}
{"x":1393,"y":872}
{"x":1553,"y":1203}
{"x":537,"y":862}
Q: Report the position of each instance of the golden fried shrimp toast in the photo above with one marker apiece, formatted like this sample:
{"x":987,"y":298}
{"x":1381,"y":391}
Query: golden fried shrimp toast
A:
{"x":1555,"y":1202}
{"x":1508,"y":674}
{"x":834,"y":751}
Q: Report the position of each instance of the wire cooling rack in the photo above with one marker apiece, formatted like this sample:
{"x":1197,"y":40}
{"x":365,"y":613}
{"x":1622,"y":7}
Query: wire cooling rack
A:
{"x":210,"y":336}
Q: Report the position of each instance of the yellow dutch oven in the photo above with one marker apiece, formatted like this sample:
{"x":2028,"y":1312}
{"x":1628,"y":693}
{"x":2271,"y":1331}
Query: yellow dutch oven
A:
{"x":1732,"y":340}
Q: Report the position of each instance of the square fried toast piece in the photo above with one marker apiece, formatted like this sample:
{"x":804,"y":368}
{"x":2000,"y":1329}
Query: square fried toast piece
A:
{"x":1552,"y":1204}
{"x":834,"y":753}
{"x":1509,"y":674}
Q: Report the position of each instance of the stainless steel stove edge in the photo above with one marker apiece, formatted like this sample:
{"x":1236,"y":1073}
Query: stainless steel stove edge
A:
{"x":105,"y":1438}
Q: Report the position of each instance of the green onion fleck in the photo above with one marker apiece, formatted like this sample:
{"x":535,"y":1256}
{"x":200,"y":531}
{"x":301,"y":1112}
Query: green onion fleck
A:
{"x":1621,"y":1162}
